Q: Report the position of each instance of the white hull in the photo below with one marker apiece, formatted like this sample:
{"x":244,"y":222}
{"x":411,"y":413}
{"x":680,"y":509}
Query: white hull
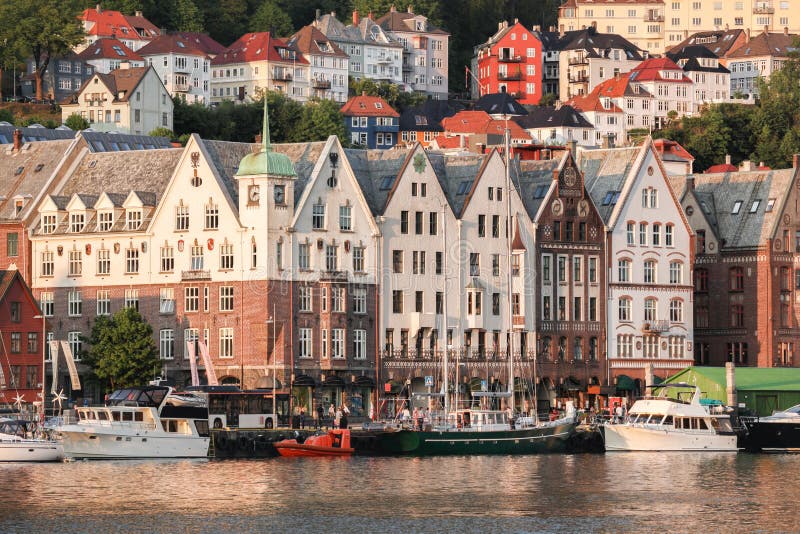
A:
{"x":31,"y":451}
{"x":623,"y":437}
{"x":94,"y":442}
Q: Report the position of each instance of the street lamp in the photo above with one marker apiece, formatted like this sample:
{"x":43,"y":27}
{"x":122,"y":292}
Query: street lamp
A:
{"x":272,"y":320}
{"x":44,"y":360}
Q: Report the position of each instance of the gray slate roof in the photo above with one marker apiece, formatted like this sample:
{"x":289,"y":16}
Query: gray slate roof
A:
{"x":550,"y":117}
{"x":605,"y":171}
{"x":720,"y":192}
{"x":598,"y":44}
{"x":529,"y":175}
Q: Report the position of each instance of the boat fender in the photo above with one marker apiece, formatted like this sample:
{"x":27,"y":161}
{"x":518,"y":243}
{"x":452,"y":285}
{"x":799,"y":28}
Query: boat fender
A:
{"x":221,"y":442}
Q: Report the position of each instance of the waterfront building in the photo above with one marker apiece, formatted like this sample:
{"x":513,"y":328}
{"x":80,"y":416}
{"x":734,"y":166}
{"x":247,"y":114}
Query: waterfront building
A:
{"x":587,"y":58}
{"x":129,"y":100}
{"x":649,"y":245}
{"x":510,"y":61}
{"x":371,"y":122}
{"x":183,"y":62}
{"x":425,"y":51}
{"x":373,"y":53}
{"x":256,"y":58}
{"x":744,"y":271}
{"x":569,"y":286}
{"x":557,"y":126}
{"x":108,"y":54}
{"x":329,"y":64}
{"x":134,"y":31}
{"x":656,"y":25}
{"x":20,"y":341}
{"x":758,"y":58}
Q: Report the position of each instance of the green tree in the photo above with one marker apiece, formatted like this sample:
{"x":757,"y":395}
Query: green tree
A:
{"x":42,"y":29}
{"x":320,"y":119}
{"x":226,"y":20}
{"x":187,"y":17}
{"x":271,"y":18}
{"x":163,"y":132}
{"x":76,"y":122}
{"x":121,"y":351}
{"x":391,"y":92}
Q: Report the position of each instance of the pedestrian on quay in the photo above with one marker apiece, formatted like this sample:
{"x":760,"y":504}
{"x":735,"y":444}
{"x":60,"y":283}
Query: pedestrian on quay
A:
{"x":343,"y":418}
{"x":415,"y":419}
{"x":337,"y":418}
{"x":320,"y":415}
{"x":331,"y":414}
{"x":302,"y":418}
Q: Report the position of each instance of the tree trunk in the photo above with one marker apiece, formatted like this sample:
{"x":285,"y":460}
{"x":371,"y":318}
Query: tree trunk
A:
{"x":37,"y":74}
{"x":1,"y":83}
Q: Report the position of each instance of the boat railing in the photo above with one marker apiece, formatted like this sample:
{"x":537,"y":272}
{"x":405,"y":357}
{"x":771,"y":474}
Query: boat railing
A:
{"x":72,"y":419}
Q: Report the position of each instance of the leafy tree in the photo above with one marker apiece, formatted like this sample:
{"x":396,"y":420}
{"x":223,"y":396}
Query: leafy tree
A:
{"x":271,"y":18}
{"x":187,"y":17}
{"x":6,"y":115}
{"x":390,"y":92}
{"x":548,"y":99}
{"x":121,"y":351}
{"x":320,"y":119}
{"x":226,"y":20}
{"x":163,"y":132}
{"x":76,"y":122}
{"x":42,"y":29}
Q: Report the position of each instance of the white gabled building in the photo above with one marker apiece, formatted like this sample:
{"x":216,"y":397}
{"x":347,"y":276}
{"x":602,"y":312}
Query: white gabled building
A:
{"x":329,"y":64}
{"x":650,"y":259}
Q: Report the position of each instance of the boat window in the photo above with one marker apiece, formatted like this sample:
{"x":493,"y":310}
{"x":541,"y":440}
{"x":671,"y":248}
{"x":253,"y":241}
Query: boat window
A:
{"x":655,"y":419}
{"x":127,"y":416}
{"x":92,"y":416}
{"x":202,"y":426}
{"x":103,"y":416}
{"x":138,"y":416}
{"x":81,"y":416}
{"x":702,"y":424}
{"x":667,"y":421}
{"x":115,"y":416}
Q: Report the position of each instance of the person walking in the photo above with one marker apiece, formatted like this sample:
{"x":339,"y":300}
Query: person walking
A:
{"x":331,"y":414}
{"x":337,"y":418}
{"x":320,"y":415}
{"x":343,"y":418}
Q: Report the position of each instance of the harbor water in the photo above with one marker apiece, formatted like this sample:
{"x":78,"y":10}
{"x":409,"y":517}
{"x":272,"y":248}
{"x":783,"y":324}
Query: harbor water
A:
{"x":622,"y":492}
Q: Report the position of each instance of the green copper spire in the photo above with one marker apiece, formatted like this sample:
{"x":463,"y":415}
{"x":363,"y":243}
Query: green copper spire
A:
{"x":265,"y":161}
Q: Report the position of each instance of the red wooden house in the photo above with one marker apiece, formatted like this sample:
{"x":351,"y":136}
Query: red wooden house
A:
{"x":511,"y":61}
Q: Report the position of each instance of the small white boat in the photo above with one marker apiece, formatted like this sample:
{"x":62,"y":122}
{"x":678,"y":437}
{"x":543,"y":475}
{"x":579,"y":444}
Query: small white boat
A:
{"x":18,"y":449}
{"x":137,"y":423}
{"x":661,"y":423}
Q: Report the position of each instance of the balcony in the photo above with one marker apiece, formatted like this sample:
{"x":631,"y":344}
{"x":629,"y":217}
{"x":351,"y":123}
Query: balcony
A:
{"x":579,"y":78}
{"x":653,"y":17}
{"x":333,"y":276}
{"x":407,"y":67}
{"x":510,"y":76}
{"x":419,"y":320}
{"x":518,"y":322}
{"x":196,"y":274}
{"x":383,"y":59}
{"x":509,"y":59}
{"x":580,"y":60}
{"x":321,"y":84}
{"x":474,"y":322}
{"x":763,"y":9}
{"x":655,"y":326}
{"x":181,"y":87}
{"x":281,"y":75}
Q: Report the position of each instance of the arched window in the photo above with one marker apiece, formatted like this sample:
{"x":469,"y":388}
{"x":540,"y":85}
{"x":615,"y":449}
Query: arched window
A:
{"x":546,"y":348}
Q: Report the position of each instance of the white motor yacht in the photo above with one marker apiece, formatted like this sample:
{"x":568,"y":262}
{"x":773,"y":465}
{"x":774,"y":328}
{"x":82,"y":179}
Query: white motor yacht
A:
{"x":137,"y":423}
{"x":664,"y":423}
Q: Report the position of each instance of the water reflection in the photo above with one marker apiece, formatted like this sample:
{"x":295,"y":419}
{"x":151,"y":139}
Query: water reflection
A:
{"x":569,"y":493}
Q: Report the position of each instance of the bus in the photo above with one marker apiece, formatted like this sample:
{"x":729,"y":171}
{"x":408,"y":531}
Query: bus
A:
{"x":247,"y":409}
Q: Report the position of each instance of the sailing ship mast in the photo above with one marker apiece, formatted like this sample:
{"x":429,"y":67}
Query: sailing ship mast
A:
{"x":509,"y":277}
{"x":445,"y":363}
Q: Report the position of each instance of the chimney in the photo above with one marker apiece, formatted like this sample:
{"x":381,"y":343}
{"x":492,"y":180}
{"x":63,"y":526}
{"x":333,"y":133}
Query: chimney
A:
{"x":730,"y":384}
{"x":552,"y":29}
{"x":363,"y":93}
{"x":786,"y":30}
{"x":572,"y":144}
{"x":98,"y":9}
{"x":355,"y":17}
{"x":138,"y":14}
{"x":795,"y":160}
{"x":369,"y":15}
{"x":516,"y":21}
{"x":727,"y":159}
{"x":537,"y":28}
{"x":392,"y":9}
{"x":747,"y":35}
{"x":746,"y":166}
{"x":317,"y":14}
{"x":766,"y":30}
{"x":17,"y":139}
{"x":410,"y":9}
{"x":499,"y":26}
{"x":690,"y":183}
{"x":333,"y":14}
{"x":258,"y":138}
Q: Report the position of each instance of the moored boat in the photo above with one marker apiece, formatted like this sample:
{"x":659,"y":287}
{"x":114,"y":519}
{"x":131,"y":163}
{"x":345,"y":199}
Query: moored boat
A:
{"x":779,"y":432}
{"x":335,"y":442}
{"x":663,"y":423}
{"x":137,"y":423}
{"x":16,"y":446}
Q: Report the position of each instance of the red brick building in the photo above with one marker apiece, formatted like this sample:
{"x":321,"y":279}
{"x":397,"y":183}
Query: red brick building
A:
{"x":745,"y":272}
{"x":21,"y":356}
{"x":511,"y":61}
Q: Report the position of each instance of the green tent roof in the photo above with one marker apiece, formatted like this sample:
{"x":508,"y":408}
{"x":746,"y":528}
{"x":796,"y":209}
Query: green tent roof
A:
{"x":747,"y":378}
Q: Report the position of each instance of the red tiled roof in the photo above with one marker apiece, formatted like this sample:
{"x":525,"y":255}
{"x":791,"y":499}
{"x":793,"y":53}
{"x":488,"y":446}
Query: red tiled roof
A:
{"x":614,"y":87}
{"x":480,"y":122}
{"x":722,"y":167}
{"x":308,"y":39}
{"x":189,"y":43}
{"x":667,"y":146}
{"x":442,"y":141}
{"x":650,"y":69}
{"x":107,"y":48}
{"x":109,"y":23}
{"x":259,"y":46}
{"x":368,"y":106}
{"x":591,"y":102}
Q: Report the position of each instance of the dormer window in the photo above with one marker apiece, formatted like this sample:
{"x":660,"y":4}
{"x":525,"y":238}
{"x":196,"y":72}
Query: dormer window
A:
{"x":76,"y":222}
{"x":378,"y":105}
{"x":105,"y":220}
{"x":48,"y":224}
{"x":133,"y":219}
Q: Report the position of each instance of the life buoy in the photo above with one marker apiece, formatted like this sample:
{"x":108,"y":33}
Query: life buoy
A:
{"x":217,"y":423}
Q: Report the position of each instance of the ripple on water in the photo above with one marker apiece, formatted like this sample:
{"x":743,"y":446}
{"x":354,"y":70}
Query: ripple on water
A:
{"x":553,"y":493}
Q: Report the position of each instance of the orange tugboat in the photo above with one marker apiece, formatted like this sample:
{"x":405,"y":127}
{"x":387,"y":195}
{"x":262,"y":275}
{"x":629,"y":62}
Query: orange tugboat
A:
{"x":335,"y":443}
